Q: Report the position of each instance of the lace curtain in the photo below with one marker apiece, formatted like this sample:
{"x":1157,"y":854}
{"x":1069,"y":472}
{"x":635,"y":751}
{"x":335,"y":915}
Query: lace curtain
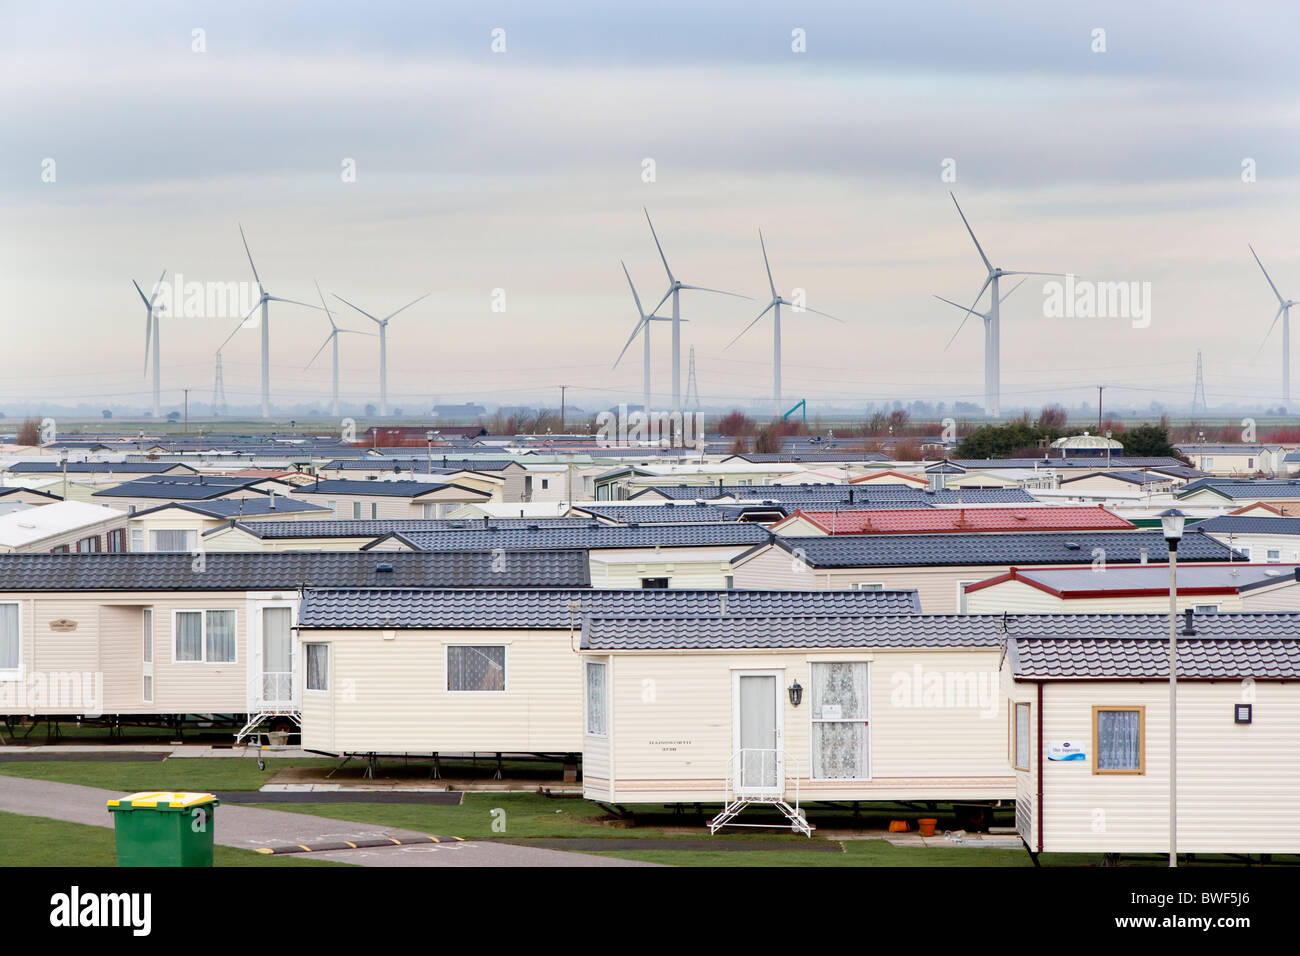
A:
{"x":476,"y":667}
{"x":318,"y":661}
{"x":221,"y":636}
{"x":9,"y":636}
{"x":596,"y":699}
{"x":839,"y":730}
{"x":1119,"y":746}
{"x":189,"y":636}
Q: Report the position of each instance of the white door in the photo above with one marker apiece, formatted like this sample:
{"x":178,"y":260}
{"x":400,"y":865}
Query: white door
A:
{"x":277,"y":656}
{"x":757,"y":722}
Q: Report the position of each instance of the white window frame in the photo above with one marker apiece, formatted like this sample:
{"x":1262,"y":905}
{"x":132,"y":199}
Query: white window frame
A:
{"x":867,"y":586}
{"x":137,"y":538}
{"x":203,"y":634}
{"x":1273,"y":556}
{"x":356,"y":511}
{"x":191,"y":540}
{"x":1205,"y":609}
{"x":306,"y":667}
{"x":147,"y":652}
{"x":586,"y":697}
{"x":15,"y":673}
{"x":505,"y":665}
{"x":961,"y":595}
{"x":822,"y":720}
{"x":1015,"y":734}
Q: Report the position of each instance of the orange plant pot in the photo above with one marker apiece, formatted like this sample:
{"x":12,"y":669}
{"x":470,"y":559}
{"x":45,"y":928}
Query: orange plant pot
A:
{"x":899,"y":826}
{"x":926,"y":825}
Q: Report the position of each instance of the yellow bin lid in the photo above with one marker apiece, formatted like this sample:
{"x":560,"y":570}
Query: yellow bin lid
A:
{"x":163,"y":800}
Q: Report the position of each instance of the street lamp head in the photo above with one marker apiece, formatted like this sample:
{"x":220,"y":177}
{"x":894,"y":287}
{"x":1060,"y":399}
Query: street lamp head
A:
{"x":1171,"y":524}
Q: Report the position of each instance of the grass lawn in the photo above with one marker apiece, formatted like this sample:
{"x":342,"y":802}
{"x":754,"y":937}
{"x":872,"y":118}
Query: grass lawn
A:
{"x":179,"y":773}
{"x":39,"y":841}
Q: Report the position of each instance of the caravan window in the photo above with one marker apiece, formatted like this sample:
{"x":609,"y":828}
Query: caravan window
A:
{"x":205,"y":637}
{"x":11,"y":638}
{"x":1020,"y":738}
{"x":175,"y":541}
{"x":839,"y":721}
{"x":476,"y":668}
{"x":318,"y":666}
{"x":596,"y":723}
{"x":1118,"y":740}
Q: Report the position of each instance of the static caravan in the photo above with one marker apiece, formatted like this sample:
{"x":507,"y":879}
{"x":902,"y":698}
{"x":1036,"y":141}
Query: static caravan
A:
{"x":181,"y":526}
{"x":356,"y":500}
{"x":395,"y":671}
{"x":66,"y":526}
{"x":779,"y":709}
{"x":1265,"y":537}
{"x":1088,"y":735}
{"x":166,"y":635}
{"x":1202,"y":588}
{"x":940,"y":566}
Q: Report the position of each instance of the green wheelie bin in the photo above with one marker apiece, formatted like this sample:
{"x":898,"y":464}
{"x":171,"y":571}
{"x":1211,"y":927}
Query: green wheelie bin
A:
{"x":162,"y":828}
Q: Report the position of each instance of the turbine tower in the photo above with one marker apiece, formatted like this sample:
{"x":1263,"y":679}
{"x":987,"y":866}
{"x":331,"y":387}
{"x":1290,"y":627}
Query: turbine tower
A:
{"x":263,"y":302}
{"x":152,"y":334}
{"x":775,"y":308}
{"x":992,"y":330}
{"x":332,"y":338}
{"x":987,"y":317}
{"x":675,"y":287}
{"x":642,"y":326}
{"x":383,"y":345}
{"x":1283,"y":312}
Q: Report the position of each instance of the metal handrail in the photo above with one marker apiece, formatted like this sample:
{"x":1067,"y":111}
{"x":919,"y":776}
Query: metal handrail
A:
{"x":735,"y":787}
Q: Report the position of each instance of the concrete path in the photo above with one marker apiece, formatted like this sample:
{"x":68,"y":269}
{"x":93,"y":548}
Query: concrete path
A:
{"x":251,"y":828}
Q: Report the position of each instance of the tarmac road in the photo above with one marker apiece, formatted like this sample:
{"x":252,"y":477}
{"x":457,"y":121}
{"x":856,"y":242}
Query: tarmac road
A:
{"x":251,"y":828}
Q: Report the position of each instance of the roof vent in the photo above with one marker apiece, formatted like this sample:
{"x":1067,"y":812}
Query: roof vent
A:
{"x":383,"y":569}
{"x":534,"y":527}
{"x":634,"y":524}
{"x":1188,"y":629}
{"x":1143,"y":556}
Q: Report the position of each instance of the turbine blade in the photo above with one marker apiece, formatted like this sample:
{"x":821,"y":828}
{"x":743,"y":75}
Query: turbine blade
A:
{"x":157,"y":288}
{"x":237,"y":328}
{"x":408,"y":305}
{"x":971,"y":311}
{"x":816,"y":312}
{"x":250,"y":256}
{"x":1266,"y":275}
{"x":327,"y":341}
{"x":1059,"y":275}
{"x":631,"y":338}
{"x":306,"y":305}
{"x":700,"y":288}
{"x":362,"y":311}
{"x":958,"y":305}
{"x":148,"y":334}
{"x":1014,"y":288}
{"x":661,"y":302}
{"x":1276,"y":315}
{"x":766,"y":264}
{"x":751,"y":325}
{"x":658,"y":246}
{"x":143,"y":298}
{"x":639,"y":311}
{"x":988,"y":265}
{"x":328,"y":314}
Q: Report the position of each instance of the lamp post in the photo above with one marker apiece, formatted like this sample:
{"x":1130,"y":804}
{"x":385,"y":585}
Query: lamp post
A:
{"x":1171,"y":524}
{"x":428,"y":437}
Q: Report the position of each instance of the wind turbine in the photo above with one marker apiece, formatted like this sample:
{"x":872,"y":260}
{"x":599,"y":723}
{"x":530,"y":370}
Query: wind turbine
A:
{"x":986,"y":316}
{"x":1284,"y":311}
{"x":992,"y":331}
{"x":675,"y":287}
{"x":775,"y":308}
{"x":333,"y":337}
{"x":153,"y":334}
{"x":263,"y":302}
{"x":383,"y":345}
{"x":643,"y":326}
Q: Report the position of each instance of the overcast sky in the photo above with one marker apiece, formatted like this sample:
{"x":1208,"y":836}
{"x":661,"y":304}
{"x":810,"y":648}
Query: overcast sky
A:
{"x":522,"y":170}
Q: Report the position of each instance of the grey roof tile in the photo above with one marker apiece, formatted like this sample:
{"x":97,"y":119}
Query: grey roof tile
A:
{"x":740,"y":534}
{"x":1037,"y":547}
{"x":292,"y":569}
{"x":400,"y":608}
